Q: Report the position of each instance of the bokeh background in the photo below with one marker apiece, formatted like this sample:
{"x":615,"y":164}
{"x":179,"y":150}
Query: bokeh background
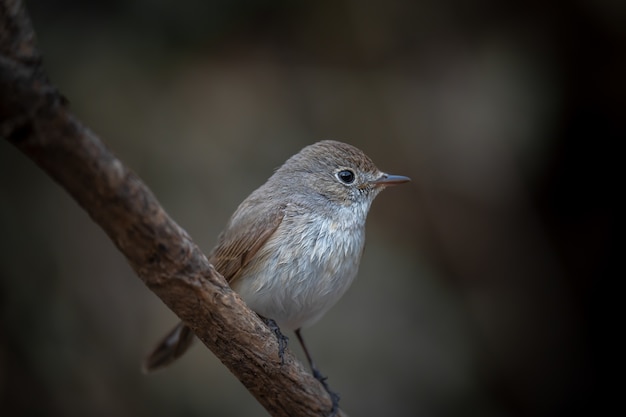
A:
{"x":484,"y":282}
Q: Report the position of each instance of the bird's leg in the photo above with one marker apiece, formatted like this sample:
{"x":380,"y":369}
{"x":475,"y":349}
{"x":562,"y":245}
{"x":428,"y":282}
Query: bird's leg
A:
{"x":334,"y":397}
{"x":282,"y":339}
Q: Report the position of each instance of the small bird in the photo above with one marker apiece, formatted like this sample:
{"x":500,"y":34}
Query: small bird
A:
{"x":293,"y":247}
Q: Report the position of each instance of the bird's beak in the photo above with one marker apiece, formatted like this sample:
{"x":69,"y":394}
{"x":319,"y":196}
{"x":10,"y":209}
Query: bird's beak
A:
{"x":387,"y":179}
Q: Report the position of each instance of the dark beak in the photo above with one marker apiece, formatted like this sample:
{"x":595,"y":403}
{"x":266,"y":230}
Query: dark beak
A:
{"x":387,"y":179}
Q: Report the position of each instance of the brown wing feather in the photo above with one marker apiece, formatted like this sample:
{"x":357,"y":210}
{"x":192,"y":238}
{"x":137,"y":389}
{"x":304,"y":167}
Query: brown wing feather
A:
{"x":235,"y":249}
{"x":238,"y":246}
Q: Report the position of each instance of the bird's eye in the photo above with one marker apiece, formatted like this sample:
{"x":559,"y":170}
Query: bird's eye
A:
{"x":346,"y":176}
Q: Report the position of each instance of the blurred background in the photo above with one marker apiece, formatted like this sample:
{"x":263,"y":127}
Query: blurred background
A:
{"x":484,"y":282}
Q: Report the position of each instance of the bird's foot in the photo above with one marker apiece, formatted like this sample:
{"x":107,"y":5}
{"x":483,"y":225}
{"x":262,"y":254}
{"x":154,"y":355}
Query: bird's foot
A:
{"x":282,"y":339}
{"x":334,"y":397}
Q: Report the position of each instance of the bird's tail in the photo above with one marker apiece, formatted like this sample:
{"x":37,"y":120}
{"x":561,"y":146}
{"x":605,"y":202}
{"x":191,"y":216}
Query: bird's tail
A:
{"x":170,"y":348}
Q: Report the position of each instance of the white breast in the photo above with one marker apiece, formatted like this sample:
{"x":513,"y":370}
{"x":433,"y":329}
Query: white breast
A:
{"x":305,"y":267}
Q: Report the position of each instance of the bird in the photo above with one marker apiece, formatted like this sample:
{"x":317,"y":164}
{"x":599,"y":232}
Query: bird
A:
{"x":293,"y":247}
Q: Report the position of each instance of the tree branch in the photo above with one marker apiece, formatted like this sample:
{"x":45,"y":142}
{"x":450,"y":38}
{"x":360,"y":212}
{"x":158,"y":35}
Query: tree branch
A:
{"x":34,"y":117}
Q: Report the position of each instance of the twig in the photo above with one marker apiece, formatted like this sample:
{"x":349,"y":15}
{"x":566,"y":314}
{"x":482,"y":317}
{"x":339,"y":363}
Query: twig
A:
{"x":34,"y":116}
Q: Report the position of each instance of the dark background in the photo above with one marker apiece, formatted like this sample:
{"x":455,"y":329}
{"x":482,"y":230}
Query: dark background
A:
{"x":486,"y":284}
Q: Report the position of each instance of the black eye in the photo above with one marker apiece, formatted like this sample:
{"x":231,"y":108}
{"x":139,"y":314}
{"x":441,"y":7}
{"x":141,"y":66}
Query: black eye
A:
{"x":346,"y":176}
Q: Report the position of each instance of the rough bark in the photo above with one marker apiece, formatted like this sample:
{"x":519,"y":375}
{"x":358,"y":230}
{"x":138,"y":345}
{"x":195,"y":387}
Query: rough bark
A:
{"x":35,"y":117}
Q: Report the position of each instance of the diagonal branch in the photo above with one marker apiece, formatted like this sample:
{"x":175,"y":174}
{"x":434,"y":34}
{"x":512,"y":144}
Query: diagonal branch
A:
{"x":35,"y":118}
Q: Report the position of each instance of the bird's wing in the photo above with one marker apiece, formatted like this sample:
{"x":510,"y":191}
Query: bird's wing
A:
{"x":236,"y":247}
{"x":240,"y":243}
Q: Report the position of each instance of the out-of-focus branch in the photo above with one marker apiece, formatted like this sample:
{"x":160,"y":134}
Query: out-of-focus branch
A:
{"x":35,"y":118}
